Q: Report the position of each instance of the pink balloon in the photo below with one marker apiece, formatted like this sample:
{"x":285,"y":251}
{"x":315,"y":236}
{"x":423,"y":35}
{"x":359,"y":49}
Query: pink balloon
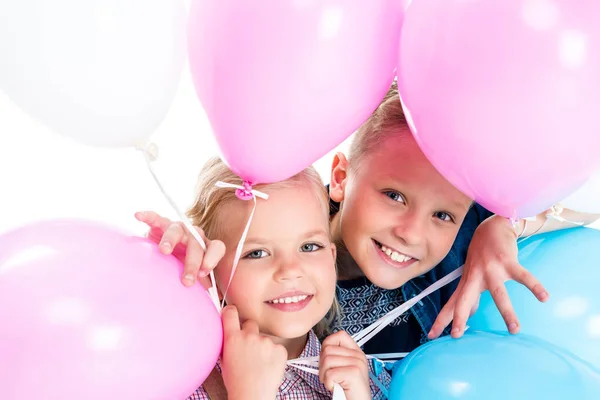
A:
{"x":90,"y":313}
{"x":285,"y":81}
{"x":504,"y":96}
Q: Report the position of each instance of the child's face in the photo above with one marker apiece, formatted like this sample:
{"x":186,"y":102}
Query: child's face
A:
{"x":285,"y":280}
{"x":399,"y":216}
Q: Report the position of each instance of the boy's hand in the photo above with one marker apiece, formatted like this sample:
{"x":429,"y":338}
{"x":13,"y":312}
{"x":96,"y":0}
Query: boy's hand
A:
{"x":344,"y":363}
{"x":491,"y":261}
{"x":252,"y":365}
{"x":174,"y":238}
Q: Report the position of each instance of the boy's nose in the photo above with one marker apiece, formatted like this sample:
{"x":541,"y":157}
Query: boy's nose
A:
{"x":410,"y":228}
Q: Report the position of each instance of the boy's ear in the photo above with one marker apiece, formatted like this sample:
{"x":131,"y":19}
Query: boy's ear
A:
{"x":339,"y":174}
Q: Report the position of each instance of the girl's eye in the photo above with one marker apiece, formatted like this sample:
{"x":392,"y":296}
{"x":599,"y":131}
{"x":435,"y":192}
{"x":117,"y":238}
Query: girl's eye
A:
{"x":392,"y":194}
{"x":310,"y":247}
{"x":255,"y":254}
{"x":444,"y":216}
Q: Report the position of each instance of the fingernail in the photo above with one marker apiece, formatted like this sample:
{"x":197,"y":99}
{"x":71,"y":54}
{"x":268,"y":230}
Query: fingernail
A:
{"x":165,"y":246}
{"x":202,"y":273}
{"x":544,"y":295}
{"x":512,"y":327}
{"x":188,"y":278}
{"x":455,"y":331}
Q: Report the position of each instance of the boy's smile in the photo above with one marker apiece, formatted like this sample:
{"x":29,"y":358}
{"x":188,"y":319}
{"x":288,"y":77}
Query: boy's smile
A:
{"x":394,"y":257}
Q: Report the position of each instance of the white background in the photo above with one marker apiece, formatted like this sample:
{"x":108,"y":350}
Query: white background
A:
{"x":44,"y":175}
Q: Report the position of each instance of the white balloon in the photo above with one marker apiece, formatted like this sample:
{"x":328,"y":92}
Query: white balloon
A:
{"x":102,"y":72}
{"x":587,"y":198}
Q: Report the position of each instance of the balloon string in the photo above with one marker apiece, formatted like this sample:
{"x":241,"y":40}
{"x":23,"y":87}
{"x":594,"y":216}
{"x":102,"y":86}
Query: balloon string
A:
{"x":553,"y":213}
{"x":367,"y":334}
{"x":244,"y":193}
{"x":150,"y":154}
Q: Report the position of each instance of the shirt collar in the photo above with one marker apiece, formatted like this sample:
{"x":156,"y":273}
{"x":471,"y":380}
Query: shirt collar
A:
{"x":294,"y":375}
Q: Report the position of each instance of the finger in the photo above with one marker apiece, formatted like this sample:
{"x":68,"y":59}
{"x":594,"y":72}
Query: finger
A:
{"x":526,"y":278}
{"x":231,"y":319}
{"x":153,"y":219}
{"x":474,"y":308}
{"x":500,"y":296}
{"x":193,"y":259}
{"x":341,"y":338}
{"x":334,"y":362}
{"x":158,"y":225}
{"x":173,"y":235}
{"x":444,"y":317}
{"x":214,"y":253}
{"x":339,"y":351}
{"x":464,"y":303}
{"x":250,"y":326}
{"x":344,"y":376}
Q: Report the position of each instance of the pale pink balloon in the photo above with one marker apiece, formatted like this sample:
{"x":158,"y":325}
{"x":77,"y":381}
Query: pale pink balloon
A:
{"x":88,"y":312}
{"x":285,"y":81}
{"x":504,"y":96}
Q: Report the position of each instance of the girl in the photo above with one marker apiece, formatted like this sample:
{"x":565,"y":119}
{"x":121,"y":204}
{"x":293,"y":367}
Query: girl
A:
{"x":283,"y":286}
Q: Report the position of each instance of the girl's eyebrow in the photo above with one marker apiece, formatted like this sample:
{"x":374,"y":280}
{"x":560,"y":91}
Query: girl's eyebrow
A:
{"x":262,"y":242}
{"x":256,"y":241}
{"x":316,"y":232}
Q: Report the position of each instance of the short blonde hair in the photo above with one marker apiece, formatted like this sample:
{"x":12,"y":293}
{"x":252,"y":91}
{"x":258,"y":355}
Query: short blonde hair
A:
{"x":210,"y":200}
{"x":386,"y":121}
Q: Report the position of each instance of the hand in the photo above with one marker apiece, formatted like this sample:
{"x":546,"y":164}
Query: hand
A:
{"x":492,"y":259}
{"x":174,"y":238}
{"x":344,"y":363}
{"x":252,"y":365}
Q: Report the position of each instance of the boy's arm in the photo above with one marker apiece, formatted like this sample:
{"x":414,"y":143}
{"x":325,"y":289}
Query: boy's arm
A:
{"x":492,"y":259}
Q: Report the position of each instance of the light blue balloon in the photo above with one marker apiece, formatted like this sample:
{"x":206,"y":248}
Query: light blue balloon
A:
{"x":567,"y":263}
{"x":493,"y":366}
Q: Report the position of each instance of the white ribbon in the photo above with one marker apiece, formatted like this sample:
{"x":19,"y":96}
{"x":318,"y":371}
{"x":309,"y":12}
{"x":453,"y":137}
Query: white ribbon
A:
{"x":240,"y":245}
{"x":366,"y":334}
{"x":150,"y":153}
{"x":312,"y":367}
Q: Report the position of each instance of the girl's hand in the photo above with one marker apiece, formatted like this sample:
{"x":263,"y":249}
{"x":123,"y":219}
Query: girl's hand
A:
{"x":252,"y":365}
{"x":174,"y":238}
{"x":344,"y":363}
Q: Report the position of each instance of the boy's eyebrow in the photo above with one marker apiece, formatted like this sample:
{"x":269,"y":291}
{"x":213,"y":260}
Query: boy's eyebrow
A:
{"x":462,"y":206}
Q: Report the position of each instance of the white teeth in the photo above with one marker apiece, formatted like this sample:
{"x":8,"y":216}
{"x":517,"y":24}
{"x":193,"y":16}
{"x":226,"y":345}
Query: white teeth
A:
{"x":394,"y":255}
{"x":288,"y":300}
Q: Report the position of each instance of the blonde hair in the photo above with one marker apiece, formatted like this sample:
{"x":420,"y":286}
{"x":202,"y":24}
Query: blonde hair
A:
{"x":210,"y":200}
{"x":386,"y":121}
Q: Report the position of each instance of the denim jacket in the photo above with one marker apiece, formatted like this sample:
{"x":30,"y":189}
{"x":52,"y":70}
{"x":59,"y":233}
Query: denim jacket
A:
{"x":427,"y":310}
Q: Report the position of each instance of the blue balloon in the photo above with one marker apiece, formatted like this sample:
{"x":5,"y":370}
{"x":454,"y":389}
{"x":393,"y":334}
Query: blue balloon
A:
{"x":493,"y":366}
{"x":567,"y":263}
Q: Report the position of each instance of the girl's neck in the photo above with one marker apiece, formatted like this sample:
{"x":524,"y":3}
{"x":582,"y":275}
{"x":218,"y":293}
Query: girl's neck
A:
{"x":347,"y":267}
{"x":294,"y":346}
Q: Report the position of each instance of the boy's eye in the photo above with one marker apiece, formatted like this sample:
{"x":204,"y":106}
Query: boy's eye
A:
{"x":255,"y":254}
{"x":310,"y":247}
{"x":444,"y":216}
{"x":392,"y":194}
